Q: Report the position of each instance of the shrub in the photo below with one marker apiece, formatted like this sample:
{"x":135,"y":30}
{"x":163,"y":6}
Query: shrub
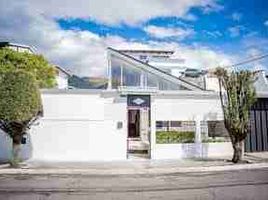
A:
{"x":166,"y":137}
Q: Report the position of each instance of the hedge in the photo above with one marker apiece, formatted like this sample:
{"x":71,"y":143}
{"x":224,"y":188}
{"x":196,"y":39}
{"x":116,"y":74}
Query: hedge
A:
{"x":173,"y":137}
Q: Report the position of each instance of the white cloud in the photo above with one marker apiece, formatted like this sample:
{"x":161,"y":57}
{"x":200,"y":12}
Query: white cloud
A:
{"x":203,"y":57}
{"x":266,"y":23}
{"x":190,"y":17}
{"x":236,"y":16}
{"x":120,"y":11}
{"x":213,"y":34}
{"x":236,"y":31}
{"x":165,"y":32}
{"x":83,"y":52}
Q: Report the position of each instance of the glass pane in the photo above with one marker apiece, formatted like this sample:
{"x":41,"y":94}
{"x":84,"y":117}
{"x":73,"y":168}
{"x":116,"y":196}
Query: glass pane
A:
{"x":136,"y":77}
{"x":116,"y":74}
{"x":131,"y":76}
{"x":151,"y":81}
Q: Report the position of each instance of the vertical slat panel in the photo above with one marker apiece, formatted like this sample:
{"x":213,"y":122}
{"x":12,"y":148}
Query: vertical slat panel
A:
{"x":258,"y":137}
{"x":258,"y":131}
{"x":248,"y":145}
{"x":264,"y":130}
{"x":253,"y":133}
{"x":247,"y":142}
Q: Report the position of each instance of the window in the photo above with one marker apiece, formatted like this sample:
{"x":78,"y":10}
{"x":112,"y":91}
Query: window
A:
{"x":175,"y":131}
{"x":116,"y":74}
{"x":143,"y":57}
{"x":217,"y":129}
{"x":176,"y":123}
{"x":125,"y":74}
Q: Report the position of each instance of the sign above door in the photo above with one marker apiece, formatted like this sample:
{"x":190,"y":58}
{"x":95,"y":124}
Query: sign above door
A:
{"x":138,"y":100}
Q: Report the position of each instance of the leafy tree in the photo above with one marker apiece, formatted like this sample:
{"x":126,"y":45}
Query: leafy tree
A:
{"x":21,"y":76}
{"x":43,"y":72}
{"x":20,"y":106}
{"x":237,"y":95}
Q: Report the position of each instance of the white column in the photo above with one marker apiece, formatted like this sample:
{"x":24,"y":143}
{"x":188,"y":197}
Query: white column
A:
{"x":198,"y":137}
{"x":153,"y":129}
{"x":121,"y":75}
{"x":109,"y":71}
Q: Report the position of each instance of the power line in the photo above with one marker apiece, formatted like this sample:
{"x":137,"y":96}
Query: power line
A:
{"x":247,"y":61}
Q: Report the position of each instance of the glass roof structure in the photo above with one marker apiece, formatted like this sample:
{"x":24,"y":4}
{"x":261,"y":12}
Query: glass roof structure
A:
{"x":125,"y":71}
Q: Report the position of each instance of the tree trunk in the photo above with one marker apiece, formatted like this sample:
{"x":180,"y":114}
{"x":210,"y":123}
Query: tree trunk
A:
{"x":238,"y":151}
{"x":15,"y":160}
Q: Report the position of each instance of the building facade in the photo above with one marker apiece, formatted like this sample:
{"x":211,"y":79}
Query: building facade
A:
{"x":145,"y":112}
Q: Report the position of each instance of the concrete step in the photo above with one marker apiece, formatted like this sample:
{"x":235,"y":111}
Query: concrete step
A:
{"x":135,"y":156}
{"x":138,"y":145}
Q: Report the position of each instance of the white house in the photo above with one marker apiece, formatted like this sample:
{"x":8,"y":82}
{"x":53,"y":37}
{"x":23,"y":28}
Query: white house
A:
{"x":144,"y":112}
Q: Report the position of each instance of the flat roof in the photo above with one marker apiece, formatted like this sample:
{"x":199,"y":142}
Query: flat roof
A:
{"x":147,"y":51}
{"x":6,"y":44}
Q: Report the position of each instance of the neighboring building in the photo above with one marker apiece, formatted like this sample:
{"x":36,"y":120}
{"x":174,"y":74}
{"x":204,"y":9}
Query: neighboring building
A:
{"x":257,"y":140}
{"x":17,"y":47}
{"x":62,"y":77}
{"x":160,"y":59}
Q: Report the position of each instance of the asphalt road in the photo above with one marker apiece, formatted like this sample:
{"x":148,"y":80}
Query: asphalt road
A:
{"x":242,"y":184}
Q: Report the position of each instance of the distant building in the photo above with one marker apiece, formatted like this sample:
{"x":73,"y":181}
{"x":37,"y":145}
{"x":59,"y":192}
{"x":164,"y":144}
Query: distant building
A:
{"x":160,"y":59}
{"x":61,"y":74}
{"x":62,"y":78}
{"x":17,"y":47}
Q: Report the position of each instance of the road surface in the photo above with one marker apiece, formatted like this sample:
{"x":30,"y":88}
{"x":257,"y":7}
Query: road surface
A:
{"x":239,"y":184}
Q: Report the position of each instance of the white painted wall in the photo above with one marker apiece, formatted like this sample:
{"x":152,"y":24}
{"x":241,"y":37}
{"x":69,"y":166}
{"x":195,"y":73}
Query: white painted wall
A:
{"x":188,"y":150}
{"x":80,"y":127}
{"x":6,"y":148}
{"x":212,"y":83}
{"x":187,"y":109}
{"x":184,"y":109}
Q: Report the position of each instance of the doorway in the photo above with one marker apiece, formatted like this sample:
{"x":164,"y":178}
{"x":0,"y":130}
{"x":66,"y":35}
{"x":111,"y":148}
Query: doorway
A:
{"x":134,"y":123}
{"x":138,"y":114}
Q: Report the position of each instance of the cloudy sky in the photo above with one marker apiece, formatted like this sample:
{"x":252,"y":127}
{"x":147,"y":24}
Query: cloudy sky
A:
{"x":75,"y":34}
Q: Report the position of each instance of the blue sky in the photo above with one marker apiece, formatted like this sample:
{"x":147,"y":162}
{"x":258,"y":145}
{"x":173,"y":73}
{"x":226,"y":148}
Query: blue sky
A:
{"x":75,"y":34}
{"x":246,"y":19}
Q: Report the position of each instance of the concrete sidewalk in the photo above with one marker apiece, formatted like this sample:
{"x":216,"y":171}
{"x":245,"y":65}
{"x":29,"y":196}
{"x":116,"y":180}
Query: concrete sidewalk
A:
{"x":256,"y":160}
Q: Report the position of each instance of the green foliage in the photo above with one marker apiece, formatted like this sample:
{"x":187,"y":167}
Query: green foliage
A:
{"x":214,"y":140}
{"x":165,"y":137}
{"x":20,"y":98}
{"x":237,"y":96}
{"x":43,"y":72}
{"x":173,"y":137}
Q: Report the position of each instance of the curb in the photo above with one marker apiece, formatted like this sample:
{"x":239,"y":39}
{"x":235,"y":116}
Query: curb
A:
{"x":133,"y":171}
{"x":2,"y":166}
